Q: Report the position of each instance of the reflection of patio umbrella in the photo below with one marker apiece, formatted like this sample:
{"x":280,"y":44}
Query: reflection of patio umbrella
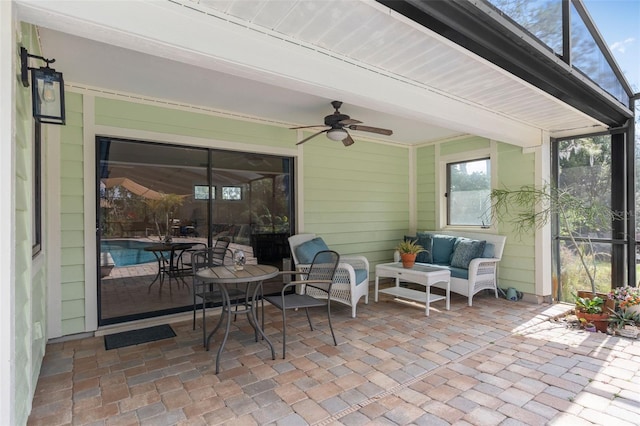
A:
{"x":135,"y":188}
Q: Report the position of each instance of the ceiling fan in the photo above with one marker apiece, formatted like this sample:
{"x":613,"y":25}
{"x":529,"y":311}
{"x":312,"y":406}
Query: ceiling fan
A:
{"x":338,"y":124}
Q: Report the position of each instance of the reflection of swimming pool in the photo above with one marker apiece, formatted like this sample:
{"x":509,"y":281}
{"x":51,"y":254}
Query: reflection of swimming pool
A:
{"x":128,"y":252}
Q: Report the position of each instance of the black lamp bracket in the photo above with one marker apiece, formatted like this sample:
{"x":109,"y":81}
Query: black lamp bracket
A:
{"x":24,"y":57}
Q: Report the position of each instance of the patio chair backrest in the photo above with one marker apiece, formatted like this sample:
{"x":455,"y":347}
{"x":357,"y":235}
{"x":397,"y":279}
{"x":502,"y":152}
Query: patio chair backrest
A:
{"x":323,"y":268}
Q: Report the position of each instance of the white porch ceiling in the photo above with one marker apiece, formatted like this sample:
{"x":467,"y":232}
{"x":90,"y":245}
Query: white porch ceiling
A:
{"x":284,"y":61}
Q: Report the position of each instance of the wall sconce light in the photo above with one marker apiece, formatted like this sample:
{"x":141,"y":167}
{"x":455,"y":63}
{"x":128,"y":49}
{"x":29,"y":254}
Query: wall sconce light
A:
{"x":47,"y":92}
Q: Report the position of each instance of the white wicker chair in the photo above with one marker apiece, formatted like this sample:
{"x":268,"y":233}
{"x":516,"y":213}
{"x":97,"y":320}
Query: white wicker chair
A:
{"x":345,"y":288}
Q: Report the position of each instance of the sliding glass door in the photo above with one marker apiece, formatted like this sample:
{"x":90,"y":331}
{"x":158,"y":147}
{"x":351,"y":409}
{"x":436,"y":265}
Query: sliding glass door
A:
{"x":151,"y":193}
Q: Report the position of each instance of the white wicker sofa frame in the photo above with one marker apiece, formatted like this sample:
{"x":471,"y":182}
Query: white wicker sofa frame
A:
{"x":483,"y":272}
{"x":345,"y":289}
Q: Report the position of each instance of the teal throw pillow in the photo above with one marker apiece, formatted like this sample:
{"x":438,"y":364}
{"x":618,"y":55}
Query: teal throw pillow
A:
{"x":489,"y":250}
{"x":465,"y":251}
{"x":410,"y":238}
{"x":426,"y":241}
{"x":307,"y":250}
{"x":442,"y":248}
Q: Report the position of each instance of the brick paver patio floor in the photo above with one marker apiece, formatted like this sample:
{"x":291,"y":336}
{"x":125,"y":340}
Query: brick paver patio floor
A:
{"x":496,"y":363}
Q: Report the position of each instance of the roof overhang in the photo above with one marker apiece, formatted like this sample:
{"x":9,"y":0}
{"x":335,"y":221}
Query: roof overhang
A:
{"x":494,"y":37}
{"x":388,"y":70}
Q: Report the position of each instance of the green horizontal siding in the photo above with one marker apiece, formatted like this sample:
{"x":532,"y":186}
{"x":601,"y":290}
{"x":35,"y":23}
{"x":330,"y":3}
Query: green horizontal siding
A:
{"x":426,"y":187}
{"x":517,"y":268}
{"x":73,"y":290}
{"x":71,"y":255}
{"x":72,"y":216}
{"x":471,"y":143}
{"x":72,"y":203}
{"x":72,"y":325}
{"x":356,"y":197}
{"x":128,"y":115}
{"x":71,"y":169}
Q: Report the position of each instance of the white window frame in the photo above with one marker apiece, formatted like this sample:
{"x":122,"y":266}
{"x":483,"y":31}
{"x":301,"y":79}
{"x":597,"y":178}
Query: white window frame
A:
{"x":461,"y":157}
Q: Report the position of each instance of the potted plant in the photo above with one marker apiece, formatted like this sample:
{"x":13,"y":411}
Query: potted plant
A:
{"x":623,"y":322}
{"x":408,"y":250}
{"x":626,"y":299}
{"x":529,"y":208}
{"x":590,"y":309}
{"x":588,"y":326}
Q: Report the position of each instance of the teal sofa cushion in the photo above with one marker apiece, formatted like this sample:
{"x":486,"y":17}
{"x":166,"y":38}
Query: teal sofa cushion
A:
{"x":442,"y":248}
{"x":307,"y":250}
{"x":465,"y":250}
{"x":426,"y":241}
{"x":462,"y":273}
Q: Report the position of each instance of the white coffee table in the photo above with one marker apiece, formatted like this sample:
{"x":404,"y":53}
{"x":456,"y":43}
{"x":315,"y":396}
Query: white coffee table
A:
{"x":421,"y":274}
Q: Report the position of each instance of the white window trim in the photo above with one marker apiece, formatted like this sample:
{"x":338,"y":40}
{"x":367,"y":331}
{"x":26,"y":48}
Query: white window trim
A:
{"x":490,"y":153}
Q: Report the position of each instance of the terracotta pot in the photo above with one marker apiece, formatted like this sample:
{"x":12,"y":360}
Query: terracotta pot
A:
{"x":601,"y":321}
{"x":608,"y":303}
{"x":408,"y":259}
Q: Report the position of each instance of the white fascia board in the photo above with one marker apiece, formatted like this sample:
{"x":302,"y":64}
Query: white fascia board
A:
{"x":184,"y":34}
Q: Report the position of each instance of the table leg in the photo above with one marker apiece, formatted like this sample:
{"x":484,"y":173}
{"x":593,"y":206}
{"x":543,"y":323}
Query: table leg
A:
{"x":226,"y":305}
{"x":427,"y":289}
{"x":207,"y":338}
{"x":376,"y":288}
{"x":448,"y":293}
{"x":159,"y":274}
{"x":254,"y":322}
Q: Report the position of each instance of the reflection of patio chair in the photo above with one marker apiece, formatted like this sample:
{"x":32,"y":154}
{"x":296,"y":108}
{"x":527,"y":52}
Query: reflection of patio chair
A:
{"x":207,"y":258}
{"x":351,"y":281}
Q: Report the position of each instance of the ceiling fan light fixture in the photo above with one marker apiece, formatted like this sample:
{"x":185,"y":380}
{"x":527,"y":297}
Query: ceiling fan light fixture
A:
{"x":337,"y":134}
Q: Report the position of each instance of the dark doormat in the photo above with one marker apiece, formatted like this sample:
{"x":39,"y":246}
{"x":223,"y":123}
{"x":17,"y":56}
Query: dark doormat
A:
{"x":136,"y":337}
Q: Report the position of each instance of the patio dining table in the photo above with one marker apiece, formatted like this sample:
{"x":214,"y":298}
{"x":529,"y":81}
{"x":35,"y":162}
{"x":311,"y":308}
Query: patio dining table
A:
{"x":168,"y":263}
{"x":225,"y":275}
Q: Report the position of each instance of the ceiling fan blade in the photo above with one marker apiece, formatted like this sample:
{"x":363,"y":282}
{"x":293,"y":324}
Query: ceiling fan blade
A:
{"x":306,"y":127}
{"x":350,"y":121}
{"x":347,"y":141}
{"x":371,"y":129}
{"x":312,"y":136}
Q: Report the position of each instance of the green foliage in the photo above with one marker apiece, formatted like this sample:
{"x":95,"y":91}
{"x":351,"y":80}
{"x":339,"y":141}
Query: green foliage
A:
{"x":529,"y":208}
{"x":589,"y":305}
{"x":163,"y":209}
{"x":543,"y":19}
{"x":574,"y":278}
{"x":410,"y":247}
{"x":621,"y":317}
{"x":462,"y":180}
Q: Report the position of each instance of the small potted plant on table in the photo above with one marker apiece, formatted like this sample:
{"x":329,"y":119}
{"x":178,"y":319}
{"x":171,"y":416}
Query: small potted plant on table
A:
{"x":408,"y":250}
